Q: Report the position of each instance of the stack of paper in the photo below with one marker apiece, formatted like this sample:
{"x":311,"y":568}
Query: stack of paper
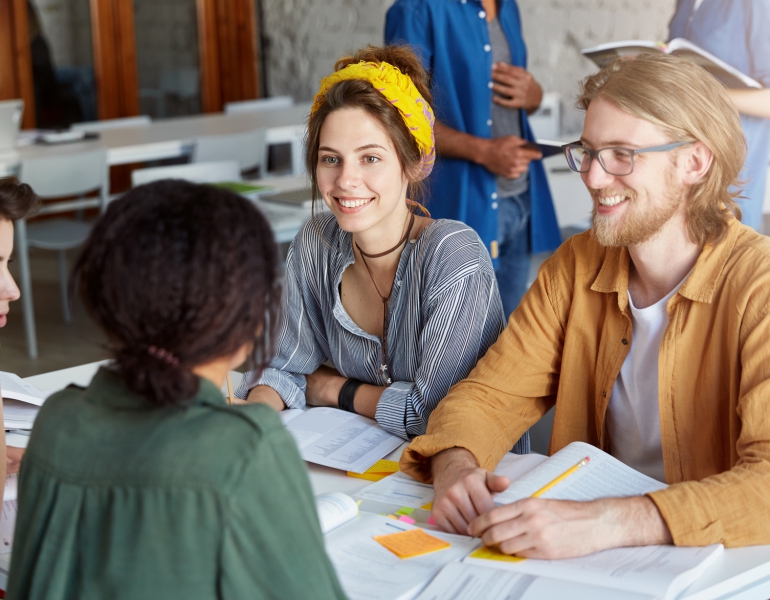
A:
{"x":21,"y":401}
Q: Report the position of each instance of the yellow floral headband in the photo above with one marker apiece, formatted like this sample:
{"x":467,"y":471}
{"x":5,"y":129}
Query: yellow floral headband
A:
{"x":402,"y":93}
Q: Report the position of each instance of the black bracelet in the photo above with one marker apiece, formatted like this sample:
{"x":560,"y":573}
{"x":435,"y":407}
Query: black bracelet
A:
{"x":348,"y":394}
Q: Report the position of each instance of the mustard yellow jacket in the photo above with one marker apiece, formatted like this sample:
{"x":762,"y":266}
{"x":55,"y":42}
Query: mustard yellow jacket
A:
{"x":564,"y":346}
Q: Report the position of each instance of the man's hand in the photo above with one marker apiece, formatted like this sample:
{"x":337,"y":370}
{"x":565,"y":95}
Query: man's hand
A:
{"x":549,"y":529}
{"x":515,"y":87}
{"x":13,"y":459}
{"x":323,"y":387}
{"x":263,"y":394}
{"x":508,"y":156}
{"x":463,"y":489}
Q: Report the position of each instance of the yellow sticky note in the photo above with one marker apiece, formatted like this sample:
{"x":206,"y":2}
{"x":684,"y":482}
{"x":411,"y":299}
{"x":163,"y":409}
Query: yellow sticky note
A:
{"x":495,"y":554}
{"x":379,"y":470}
{"x":414,"y":542}
{"x":428,"y":506}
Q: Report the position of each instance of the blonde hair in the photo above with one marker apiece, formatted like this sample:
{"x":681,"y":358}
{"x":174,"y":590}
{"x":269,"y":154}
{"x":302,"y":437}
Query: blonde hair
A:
{"x":690,"y":105}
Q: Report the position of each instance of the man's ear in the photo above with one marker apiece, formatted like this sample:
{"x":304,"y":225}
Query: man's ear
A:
{"x":697,"y":162}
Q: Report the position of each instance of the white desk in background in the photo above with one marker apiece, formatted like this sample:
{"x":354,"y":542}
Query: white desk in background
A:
{"x":172,"y":138}
{"x":739,"y":574}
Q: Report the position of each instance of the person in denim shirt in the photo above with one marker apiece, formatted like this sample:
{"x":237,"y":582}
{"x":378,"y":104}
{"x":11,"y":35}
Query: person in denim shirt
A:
{"x":487,"y":175}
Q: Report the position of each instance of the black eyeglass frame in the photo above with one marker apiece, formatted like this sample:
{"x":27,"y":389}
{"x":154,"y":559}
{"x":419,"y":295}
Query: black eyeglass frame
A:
{"x":631,"y":151}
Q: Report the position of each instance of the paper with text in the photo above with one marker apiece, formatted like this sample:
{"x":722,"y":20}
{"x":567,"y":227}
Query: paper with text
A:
{"x":8,"y":525}
{"x":461,"y":581}
{"x":603,"y":477}
{"x":661,"y":571}
{"x":341,"y":440}
{"x":334,"y":509}
{"x":400,"y":489}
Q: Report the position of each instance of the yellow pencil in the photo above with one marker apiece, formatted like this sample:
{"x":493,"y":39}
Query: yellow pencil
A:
{"x":229,"y":389}
{"x":561,"y":477}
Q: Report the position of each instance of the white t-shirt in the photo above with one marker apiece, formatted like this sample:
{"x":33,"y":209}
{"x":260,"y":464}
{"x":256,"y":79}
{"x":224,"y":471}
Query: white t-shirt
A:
{"x":633,"y":414}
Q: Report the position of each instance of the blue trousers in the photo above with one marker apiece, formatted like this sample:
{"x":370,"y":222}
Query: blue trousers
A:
{"x":513,"y":241}
{"x":513,"y":264}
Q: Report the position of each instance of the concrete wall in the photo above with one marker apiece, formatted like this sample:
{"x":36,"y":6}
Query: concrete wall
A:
{"x":307,"y":36}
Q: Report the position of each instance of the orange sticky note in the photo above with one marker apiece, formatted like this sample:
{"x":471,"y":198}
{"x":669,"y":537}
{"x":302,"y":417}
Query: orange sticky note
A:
{"x":414,"y":542}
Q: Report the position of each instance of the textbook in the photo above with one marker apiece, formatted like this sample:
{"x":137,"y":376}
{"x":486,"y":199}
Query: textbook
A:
{"x":366,"y":568}
{"x":729,"y":76}
{"x":21,"y":401}
{"x":341,"y":440}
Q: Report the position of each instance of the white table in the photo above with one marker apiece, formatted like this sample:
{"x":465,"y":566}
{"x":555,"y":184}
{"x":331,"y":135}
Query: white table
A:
{"x":172,"y":138}
{"x":739,"y":574}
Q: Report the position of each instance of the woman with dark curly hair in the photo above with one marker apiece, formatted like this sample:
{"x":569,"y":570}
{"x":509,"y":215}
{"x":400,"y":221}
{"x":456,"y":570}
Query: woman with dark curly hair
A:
{"x":17,"y":201}
{"x":147,"y":484}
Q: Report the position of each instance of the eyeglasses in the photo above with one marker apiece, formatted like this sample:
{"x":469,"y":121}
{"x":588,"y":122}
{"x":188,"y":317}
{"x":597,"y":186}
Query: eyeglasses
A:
{"x":616,"y":161}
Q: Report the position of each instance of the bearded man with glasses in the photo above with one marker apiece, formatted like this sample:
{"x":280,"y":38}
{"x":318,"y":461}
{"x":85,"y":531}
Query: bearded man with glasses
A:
{"x":648,"y":334}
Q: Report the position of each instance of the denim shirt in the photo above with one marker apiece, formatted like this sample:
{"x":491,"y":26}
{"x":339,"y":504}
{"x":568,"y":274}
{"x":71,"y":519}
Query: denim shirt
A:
{"x":738,"y":32}
{"x":451,"y":38}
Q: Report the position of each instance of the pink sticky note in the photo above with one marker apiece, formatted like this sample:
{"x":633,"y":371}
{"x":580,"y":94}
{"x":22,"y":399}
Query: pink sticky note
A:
{"x":406,"y":519}
{"x":431,"y":521}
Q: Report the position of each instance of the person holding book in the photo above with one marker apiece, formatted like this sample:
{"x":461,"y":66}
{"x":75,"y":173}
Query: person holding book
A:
{"x":401,"y":305}
{"x":147,"y":483}
{"x":647,"y":334}
{"x":737,"y":32}
{"x":17,"y":201}
{"x":487,"y":172}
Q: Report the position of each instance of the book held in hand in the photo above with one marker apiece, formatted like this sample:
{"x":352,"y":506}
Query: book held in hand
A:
{"x":729,"y":76}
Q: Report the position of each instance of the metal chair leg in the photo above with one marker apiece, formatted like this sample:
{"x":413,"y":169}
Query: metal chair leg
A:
{"x":65,"y":303}
{"x":22,"y":251}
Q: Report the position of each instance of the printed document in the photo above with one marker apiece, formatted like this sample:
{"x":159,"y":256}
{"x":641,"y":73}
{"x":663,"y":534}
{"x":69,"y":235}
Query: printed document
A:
{"x":341,"y":440}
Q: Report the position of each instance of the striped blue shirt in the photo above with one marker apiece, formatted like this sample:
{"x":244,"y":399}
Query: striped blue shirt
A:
{"x":445,"y":311}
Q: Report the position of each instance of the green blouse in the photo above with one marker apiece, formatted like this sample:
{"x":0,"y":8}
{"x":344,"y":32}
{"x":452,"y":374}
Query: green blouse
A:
{"x":122,"y":500}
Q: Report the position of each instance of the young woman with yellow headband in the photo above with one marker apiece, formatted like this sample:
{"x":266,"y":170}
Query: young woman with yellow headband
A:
{"x":402,"y":305}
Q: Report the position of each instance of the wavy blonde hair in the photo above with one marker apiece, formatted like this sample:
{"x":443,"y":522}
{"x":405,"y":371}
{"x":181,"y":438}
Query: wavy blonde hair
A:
{"x":689,"y":105}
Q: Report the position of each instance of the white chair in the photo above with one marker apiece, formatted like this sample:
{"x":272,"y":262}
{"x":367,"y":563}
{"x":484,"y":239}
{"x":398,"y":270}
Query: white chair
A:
{"x":232,"y":108}
{"x":248,"y":148}
{"x":57,"y":177}
{"x":140,"y":121}
{"x":204,"y":172}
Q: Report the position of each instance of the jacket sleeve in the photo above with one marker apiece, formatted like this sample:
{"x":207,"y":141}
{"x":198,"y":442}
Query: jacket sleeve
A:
{"x":732,"y":507}
{"x":482,"y":413}
{"x":298,"y":352}
{"x":272,"y":546}
{"x":463,"y":321}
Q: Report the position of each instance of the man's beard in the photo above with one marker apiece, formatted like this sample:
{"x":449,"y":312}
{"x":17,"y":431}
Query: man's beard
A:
{"x":636,"y":226}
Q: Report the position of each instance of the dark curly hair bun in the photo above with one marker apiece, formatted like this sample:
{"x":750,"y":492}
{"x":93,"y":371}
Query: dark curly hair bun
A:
{"x":180,"y":274}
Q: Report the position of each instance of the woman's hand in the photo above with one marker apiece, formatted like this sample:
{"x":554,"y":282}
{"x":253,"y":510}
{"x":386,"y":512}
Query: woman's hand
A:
{"x":323,"y":387}
{"x":13,"y":459}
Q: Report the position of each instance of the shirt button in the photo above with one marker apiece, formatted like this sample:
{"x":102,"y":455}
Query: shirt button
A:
{"x":489,"y":122}
{"x":482,"y":14}
{"x":487,"y":47}
{"x":398,"y":283}
{"x":412,"y":241}
{"x":625,"y":341}
{"x":490,"y":85}
{"x":494,"y":206}
{"x":494,"y":195}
